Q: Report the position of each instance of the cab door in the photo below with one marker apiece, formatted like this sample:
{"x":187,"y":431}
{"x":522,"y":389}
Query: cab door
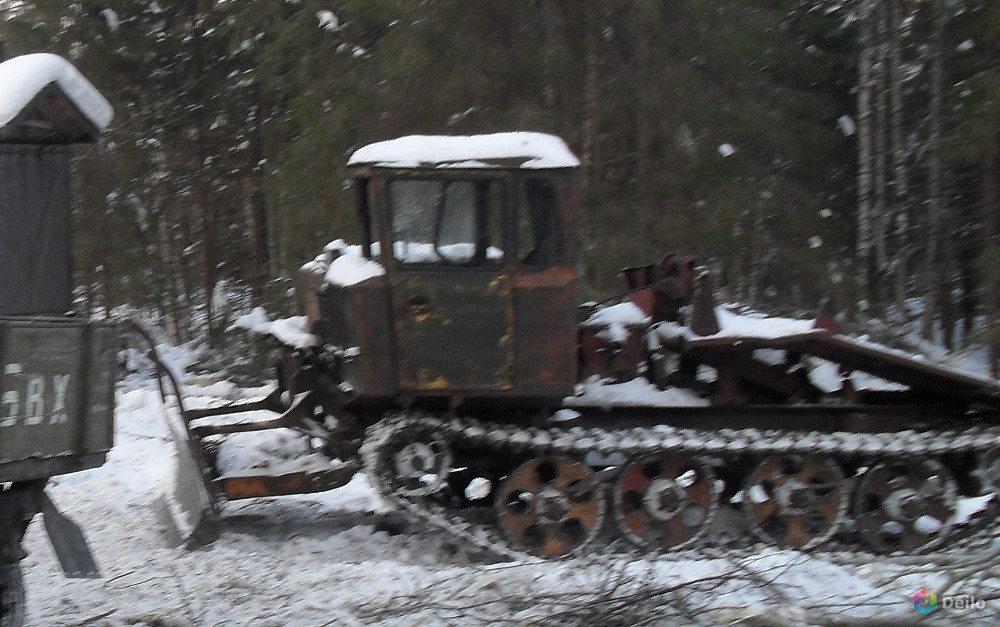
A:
{"x":452,"y":301}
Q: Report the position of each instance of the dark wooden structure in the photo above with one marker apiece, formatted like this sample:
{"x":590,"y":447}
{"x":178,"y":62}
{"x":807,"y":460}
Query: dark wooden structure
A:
{"x":35,"y":201}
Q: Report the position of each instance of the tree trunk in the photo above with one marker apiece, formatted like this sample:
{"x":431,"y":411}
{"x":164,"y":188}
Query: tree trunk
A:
{"x":991,"y":207}
{"x":865,"y":130}
{"x":935,"y":269}
{"x":899,"y":210}
{"x":591,"y":95}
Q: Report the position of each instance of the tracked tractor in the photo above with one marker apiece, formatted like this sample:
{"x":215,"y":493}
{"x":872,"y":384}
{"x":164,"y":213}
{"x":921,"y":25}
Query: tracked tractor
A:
{"x":446,"y":355}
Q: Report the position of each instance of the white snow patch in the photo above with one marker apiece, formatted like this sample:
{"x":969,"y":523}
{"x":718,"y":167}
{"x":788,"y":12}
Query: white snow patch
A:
{"x":424,"y":252}
{"x":352,"y":267}
{"x":274,"y":451}
{"x":21,"y":78}
{"x":727,"y":150}
{"x":759,"y":326}
{"x":614,"y":321}
{"x":328,"y":20}
{"x":532,"y":150}
{"x":110,"y":19}
{"x":846,"y":125}
{"x":635,"y":393}
{"x":966,"y":507}
{"x":289,"y":331}
{"x":927,"y":525}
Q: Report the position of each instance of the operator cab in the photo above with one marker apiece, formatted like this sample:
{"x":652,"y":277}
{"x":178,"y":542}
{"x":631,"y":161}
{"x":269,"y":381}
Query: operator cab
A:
{"x":475,"y":235}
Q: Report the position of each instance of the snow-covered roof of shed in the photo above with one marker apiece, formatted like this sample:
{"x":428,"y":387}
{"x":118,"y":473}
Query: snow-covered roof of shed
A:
{"x":34,"y":92}
{"x":499,"y":150}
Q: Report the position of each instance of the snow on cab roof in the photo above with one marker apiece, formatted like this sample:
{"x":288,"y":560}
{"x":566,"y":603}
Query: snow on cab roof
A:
{"x":23,"y":78}
{"x":519,"y":149}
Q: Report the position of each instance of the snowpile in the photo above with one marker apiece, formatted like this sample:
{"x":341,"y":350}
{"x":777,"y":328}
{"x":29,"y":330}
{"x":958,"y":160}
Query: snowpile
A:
{"x":274,"y":452}
{"x":614,"y":322}
{"x":635,"y":393}
{"x":758,"y":325}
{"x":21,"y":78}
{"x":423,"y":252}
{"x":289,"y":331}
{"x":343,"y":265}
{"x":524,"y":149}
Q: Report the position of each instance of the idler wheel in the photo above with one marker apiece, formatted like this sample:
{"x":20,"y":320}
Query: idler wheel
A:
{"x":550,"y":506}
{"x":419,"y":460}
{"x":665,"y":500}
{"x":905,"y":505}
{"x":795,"y":501}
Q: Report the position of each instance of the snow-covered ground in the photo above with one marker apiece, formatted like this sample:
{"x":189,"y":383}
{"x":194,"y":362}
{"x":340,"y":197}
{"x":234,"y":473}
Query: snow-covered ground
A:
{"x":343,"y":558}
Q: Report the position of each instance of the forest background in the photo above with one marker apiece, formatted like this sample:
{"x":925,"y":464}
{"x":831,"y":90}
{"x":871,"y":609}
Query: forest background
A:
{"x":803,"y":149}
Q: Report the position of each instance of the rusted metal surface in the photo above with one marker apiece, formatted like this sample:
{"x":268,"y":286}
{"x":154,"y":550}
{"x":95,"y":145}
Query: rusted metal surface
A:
{"x":453,"y":330}
{"x":615,"y":363}
{"x":298,"y":482}
{"x":665,"y":500}
{"x":371,"y":372}
{"x":545,"y":344}
{"x":795,"y":501}
{"x":662,"y":289}
{"x":550,"y":506}
{"x":852,"y":355}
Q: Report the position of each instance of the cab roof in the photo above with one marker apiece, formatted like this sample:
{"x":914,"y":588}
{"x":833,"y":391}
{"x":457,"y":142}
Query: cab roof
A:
{"x":520,"y":150}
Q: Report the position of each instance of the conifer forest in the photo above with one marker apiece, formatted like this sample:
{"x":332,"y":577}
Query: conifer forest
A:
{"x":804,"y":150}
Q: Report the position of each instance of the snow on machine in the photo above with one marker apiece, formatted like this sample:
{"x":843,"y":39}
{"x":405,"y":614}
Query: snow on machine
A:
{"x":447,"y":357}
{"x":57,"y":372}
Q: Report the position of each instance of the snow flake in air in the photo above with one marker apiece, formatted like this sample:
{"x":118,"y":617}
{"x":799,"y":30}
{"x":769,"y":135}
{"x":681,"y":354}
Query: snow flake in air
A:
{"x":110,"y":19}
{"x":846,"y":125}
{"x":328,"y":20}
{"x":727,"y":150}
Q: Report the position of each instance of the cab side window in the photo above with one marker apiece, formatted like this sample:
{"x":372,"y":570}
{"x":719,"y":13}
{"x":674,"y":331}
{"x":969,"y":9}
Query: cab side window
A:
{"x":539,"y":240}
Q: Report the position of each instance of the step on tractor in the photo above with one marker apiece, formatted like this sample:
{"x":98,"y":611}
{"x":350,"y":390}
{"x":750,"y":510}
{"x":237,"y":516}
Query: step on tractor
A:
{"x":446,"y":356}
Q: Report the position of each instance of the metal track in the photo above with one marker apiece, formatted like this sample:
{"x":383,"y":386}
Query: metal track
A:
{"x":505,"y":439}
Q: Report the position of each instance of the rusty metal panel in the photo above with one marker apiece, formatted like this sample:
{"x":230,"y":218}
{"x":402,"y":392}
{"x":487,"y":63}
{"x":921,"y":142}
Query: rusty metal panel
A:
{"x":854,"y":354}
{"x":371,"y":372}
{"x":545,"y":343}
{"x":56,"y":389}
{"x":299,"y":482}
{"x":453,"y":331}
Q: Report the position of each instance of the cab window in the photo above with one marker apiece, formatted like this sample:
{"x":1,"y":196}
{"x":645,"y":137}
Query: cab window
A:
{"x":539,"y":239}
{"x":448,"y":222}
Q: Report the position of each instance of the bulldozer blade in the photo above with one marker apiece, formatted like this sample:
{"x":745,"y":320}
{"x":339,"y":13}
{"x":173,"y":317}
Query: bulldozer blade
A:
{"x":188,"y":512}
{"x":67,"y":541}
